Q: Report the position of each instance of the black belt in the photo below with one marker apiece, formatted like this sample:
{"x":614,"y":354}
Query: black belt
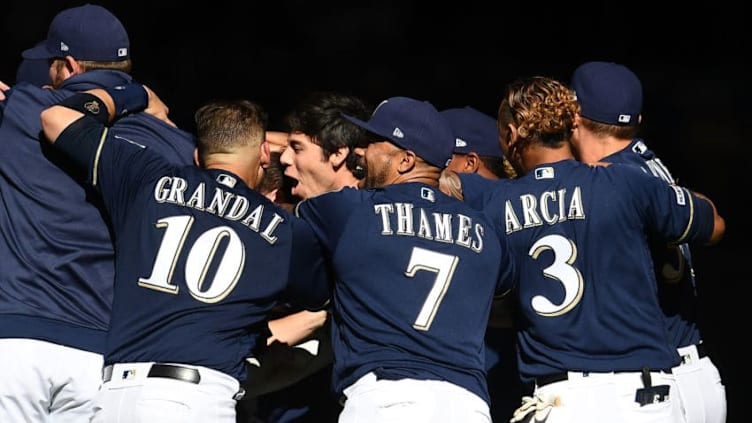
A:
{"x":562,"y":376}
{"x":168,"y":371}
{"x":552,"y":378}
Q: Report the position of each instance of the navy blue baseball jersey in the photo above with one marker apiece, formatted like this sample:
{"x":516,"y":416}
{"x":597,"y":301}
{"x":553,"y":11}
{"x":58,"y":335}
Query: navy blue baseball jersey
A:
{"x":587,"y":290}
{"x":201,"y":258}
{"x":673,"y":263}
{"x":415,"y":275}
{"x":56,"y":252}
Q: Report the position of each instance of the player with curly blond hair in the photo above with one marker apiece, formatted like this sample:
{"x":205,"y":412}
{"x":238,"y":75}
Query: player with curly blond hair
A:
{"x":590,"y":335}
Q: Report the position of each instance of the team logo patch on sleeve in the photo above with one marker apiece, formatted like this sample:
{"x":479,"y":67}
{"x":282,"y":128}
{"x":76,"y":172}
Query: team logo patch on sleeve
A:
{"x":681,"y":198}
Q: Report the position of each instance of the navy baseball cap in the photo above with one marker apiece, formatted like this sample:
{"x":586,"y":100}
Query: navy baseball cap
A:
{"x":87,"y":32}
{"x":473,"y":131}
{"x":608,"y":93}
{"x":34,"y":71}
{"x":413,"y":125}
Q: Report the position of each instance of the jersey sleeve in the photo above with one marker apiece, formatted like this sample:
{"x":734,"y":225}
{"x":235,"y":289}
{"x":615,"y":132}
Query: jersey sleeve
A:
{"x":476,"y":189}
{"x":320,"y":210}
{"x":116,"y":168}
{"x":483,"y":194}
{"x":674,"y":213}
{"x":308,"y":280}
{"x":508,"y":276}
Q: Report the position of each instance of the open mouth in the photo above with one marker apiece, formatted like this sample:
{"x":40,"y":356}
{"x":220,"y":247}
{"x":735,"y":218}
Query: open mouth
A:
{"x":292,"y":183}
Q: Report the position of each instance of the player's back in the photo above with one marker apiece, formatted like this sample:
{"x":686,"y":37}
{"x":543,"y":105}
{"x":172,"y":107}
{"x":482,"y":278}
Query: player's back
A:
{"x":673,"y":264}
{"x":587,"y":291}
{"x":415,"y":275}
{"x":202,"y":259}
{"x":56,"y":254}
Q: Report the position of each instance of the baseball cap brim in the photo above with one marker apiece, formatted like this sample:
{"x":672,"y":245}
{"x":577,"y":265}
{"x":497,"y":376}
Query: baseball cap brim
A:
{"x":365,"y":125}
{"x":39,"y":51}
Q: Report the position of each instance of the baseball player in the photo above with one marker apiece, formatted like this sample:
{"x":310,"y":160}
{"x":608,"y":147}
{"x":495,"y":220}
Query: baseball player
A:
{"x":415,"y":275}
{"x":56,"y":249}
{"x":591,"y":336}
{"x":477,"y":150}
{"x":476,"y":144}
{"x":201,"y":257}
{"x":298,"y":365}
{"x":610,"y":98}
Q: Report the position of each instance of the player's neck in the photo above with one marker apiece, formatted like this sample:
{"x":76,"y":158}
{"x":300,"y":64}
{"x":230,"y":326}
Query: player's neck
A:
{"x":241,"y":171}
{"x":536,"y":155}
{"x":345,"y":178}
{"x":593,"y":149}
{"x":426,"y":175}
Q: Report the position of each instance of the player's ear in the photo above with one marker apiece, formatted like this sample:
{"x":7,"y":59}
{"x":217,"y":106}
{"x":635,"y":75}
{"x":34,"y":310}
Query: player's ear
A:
{"x":472,"y":162}
{"x":266,"y":155}
{"x":338,"y":157}
{"x":72,"y":66}
{"x":507,"y":135}
{"x":406,"y":161}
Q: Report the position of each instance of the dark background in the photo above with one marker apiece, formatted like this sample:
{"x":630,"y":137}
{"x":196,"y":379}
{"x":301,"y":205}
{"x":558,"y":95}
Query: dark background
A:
{"x":693,"y":62}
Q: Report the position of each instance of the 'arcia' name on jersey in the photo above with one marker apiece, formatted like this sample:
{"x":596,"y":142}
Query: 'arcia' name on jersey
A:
{"x":550,"y":208}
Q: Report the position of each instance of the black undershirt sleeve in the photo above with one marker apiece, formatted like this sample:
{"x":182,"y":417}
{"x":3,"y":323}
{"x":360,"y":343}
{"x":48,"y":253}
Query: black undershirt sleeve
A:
{"x":80,"y":141}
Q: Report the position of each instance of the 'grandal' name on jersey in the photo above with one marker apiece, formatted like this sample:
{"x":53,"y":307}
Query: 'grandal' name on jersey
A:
{"x":227,"y":205}
{"x":551,"y":207}
{"x":441,"y":227}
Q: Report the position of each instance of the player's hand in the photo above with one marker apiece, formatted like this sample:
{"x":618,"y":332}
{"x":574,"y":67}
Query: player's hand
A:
{"x":450,"y":184}
{"x":277,"y":140}
{"x":3,"y":87}
{"x":295,"y":327}
{"x":157,"y":108}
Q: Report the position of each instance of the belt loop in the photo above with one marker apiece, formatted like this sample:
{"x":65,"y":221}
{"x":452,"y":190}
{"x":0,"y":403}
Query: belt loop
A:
{"x":107,"y":373}
{"x":646,"y":379}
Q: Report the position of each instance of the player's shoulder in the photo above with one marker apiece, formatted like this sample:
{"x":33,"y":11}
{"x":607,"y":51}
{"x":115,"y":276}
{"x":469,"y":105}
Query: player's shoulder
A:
{"x":624,"y":169}
{"x":25,"y":95}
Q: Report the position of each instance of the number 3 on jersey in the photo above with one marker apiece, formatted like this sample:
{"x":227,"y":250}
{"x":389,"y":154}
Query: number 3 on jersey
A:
{"x":200,"y":256}
{"x":562,"y":271}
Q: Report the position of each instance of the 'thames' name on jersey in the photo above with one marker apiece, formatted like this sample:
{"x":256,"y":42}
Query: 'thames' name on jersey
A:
{"x":548,"y":208}
{"x":405,"y":219}
{"x":226,"y":205}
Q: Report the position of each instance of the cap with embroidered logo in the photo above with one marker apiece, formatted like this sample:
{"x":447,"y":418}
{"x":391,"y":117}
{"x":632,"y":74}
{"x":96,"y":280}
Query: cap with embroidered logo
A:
{"x":412,"y":125}
{"x":474,"y":131}
{"x":608,"y":93}
{"x":88,"y":32}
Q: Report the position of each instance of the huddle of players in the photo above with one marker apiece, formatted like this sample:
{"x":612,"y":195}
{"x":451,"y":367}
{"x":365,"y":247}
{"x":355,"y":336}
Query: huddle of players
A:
{"x":411,"y":272}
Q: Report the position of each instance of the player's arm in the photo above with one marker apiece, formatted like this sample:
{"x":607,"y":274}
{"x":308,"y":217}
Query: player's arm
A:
{"x":307,"y":289}
{"x":296,"y":327}
{"x":97,"y":104}
{"x":104,"y":106}
{"x":719,"y":223}
{"x":677,"y":213}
